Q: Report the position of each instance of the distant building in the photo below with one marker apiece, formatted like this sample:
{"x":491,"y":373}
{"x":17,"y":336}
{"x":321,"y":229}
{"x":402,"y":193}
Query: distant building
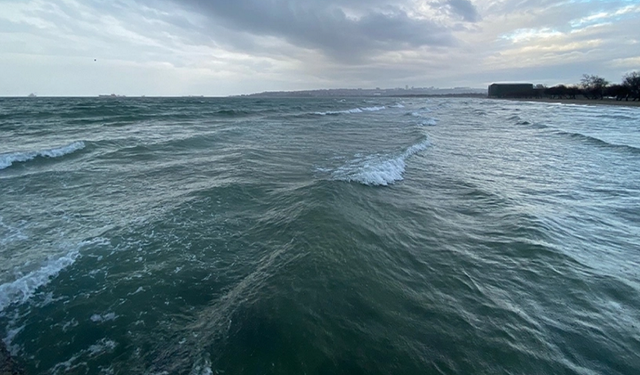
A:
{"x":510,"y":90}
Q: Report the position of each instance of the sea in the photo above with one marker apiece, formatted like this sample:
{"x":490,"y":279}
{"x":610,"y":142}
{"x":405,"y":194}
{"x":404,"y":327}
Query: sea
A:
{"x":373,"y":235}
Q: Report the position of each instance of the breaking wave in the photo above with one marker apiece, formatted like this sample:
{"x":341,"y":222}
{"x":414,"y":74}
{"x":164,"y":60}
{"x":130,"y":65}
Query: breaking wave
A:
{"x":378,"y":170}
{"x":23,"y":288}
{"x":20,"y":290}
{"x":349,"y":111}
{"x":6,"y":160}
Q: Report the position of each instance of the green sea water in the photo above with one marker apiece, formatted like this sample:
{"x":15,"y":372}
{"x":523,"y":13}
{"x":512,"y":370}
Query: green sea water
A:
{"x":319,"y":236}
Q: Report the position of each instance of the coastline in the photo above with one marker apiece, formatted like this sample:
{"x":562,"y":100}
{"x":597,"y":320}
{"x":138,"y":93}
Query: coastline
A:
{"x":592,"y":102}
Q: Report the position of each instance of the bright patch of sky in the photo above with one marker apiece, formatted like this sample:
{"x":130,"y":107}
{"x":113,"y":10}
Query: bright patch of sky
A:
{"x":528,"y":34}
{"x":606,"y":16}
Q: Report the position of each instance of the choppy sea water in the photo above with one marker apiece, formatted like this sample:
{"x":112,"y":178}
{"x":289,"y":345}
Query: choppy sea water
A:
{"x":319,"y":236}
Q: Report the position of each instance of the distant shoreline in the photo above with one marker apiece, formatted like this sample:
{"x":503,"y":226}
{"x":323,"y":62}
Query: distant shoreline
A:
{"x":593,"y":102}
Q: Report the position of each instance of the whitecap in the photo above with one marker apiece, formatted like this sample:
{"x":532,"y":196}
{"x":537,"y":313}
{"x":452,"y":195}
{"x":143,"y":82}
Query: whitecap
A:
{"x":350,"y":111}
{"x":101,"y":346}
{"x":12,"y":332}
{"x":97,"y":318}
{"x":6,"y":160}
{"x":23,"y":288}
{"x":429,"y":122}
{"x":202,"y":367}
{"x":20,"y":290}
{"x":322,"y":170}
{"x":420,"y":113}
{"x":373,"y":109}
{"x":378,"y":170}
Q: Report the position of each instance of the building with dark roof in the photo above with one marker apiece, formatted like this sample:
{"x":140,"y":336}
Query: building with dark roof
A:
{"x":510,"y":90}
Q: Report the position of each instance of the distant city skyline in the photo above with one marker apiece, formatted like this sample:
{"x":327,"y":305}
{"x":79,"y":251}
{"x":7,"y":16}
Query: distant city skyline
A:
{"x":219,"y":48}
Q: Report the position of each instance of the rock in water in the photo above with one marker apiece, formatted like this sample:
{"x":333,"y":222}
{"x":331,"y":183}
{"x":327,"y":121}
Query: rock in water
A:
{"x":7,"y":365}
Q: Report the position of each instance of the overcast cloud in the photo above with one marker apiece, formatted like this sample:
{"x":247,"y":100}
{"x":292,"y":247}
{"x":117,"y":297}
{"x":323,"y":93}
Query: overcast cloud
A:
{"x":222,"y":47}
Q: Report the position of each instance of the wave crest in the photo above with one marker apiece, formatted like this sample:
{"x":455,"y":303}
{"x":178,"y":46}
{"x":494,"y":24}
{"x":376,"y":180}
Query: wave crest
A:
{"x":349,"y":111}
{"x":20,"y":290}
{"x":600,"y":142}
{"x":378,"y":170}
{"x":23,"y":288}
{"x":6,"y":160}
{"x":421,"y":113}
{"x":429,"y":122}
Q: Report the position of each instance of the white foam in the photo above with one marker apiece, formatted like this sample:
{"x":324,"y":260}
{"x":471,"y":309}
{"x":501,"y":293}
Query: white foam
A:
{"x":421,"y":113}
{"x":11,"y":334}
{"x":378,"y":170}
{"x":101,"y":346}
{"x":429,"y":122}
{"x":375,"y":173}
{"x":97,"y":318}
{"x":6,"y":160}
{"x":11,"y":234}
{"x":202,"y":366}
{"x":20,"y":290}
{"x":373,"y":109}
{"x":350,"y":111}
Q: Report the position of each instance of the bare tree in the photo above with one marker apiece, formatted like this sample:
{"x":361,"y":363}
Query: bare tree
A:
{"x":593,"y":86}
{"x":632,"y":82}
{"x":617,"y":91}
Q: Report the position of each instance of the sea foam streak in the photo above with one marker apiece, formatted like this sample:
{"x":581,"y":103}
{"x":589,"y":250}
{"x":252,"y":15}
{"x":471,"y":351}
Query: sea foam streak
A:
{"x":6,"y":160}
{"x":348,"y":111}
{"x":378,"y":170}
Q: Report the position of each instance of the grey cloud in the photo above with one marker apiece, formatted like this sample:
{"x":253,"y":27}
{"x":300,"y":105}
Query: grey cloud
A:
{"x":344,"y":30}
{"x":465,"y":9}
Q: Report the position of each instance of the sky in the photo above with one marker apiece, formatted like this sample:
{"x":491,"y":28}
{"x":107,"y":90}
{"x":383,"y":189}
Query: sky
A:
{"x":231,"y":47}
